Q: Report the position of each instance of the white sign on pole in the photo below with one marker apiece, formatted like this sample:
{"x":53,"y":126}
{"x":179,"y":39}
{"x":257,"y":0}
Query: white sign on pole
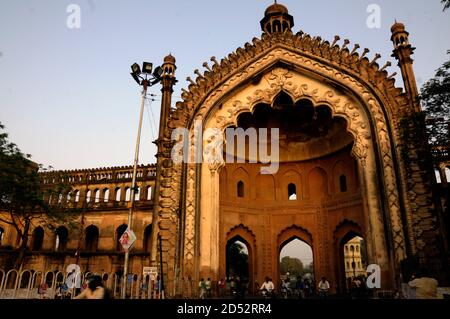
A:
{"x":127,"y":239}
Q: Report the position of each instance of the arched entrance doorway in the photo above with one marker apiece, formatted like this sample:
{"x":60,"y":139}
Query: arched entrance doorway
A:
{"x":351,"y":255}
{"x":295,"y":243}
{"x":296,"y":263}
{"x":238,"y":256}
{"x":237,"y":259}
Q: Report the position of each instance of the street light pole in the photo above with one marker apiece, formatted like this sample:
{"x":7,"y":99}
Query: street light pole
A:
{"x":161,"y":278}
{"x":133,"y":186}
{"x":145,"y":82}
{"x":354,"y":264}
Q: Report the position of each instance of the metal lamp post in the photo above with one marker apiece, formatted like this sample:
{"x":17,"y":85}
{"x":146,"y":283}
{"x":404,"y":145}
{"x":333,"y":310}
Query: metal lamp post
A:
{"x":354,"y":264}
{"x":145,"y":78}
{"x":161,"y":266}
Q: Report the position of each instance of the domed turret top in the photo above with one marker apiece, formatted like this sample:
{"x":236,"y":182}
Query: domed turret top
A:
{"x":397,"y":27}
{"x":169,"y":59}
{"x":277,"y":19}
{"x":276,"y":8}
{"x":399,"y":35}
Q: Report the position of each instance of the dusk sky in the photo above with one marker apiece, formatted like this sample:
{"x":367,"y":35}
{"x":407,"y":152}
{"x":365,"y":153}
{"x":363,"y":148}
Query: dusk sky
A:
{"x":66,"y":95}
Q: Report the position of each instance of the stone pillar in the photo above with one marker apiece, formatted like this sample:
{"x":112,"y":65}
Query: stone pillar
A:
{"x":375,"y":232}
{"x":209,"y":222}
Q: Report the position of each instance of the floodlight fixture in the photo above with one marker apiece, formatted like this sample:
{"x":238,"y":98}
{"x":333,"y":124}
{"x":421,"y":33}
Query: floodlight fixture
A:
{"x":136,"y":69}
{"x":158,"y":72}
{"x":147,"y":67}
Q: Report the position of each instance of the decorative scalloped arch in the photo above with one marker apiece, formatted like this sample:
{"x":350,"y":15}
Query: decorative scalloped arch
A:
{"x":242,"y":231}
{"x":359,"y":92}
{"x":345,"y":226}
{"x":293,"y":231}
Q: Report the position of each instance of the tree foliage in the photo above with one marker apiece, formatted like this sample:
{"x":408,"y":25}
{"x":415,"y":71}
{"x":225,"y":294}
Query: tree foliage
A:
{"x":435,"y":98}
{"x":22,"y":201}
{"x":293,"y":266}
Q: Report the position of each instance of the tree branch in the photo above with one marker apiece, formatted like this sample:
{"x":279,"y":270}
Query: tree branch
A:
{"x":6,"y":222}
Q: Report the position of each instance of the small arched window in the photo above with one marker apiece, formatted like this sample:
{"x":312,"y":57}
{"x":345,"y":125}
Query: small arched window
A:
{"x":97,"y":195}
{"x":447,"y":174}
{"x":438,"y":176}
{"x":106,"y":195}
{"x":127,"y":194}
{"x":91,"y":241}
{"x":61,"y":237}
{"x":343,"y":183}
{"x":137,"y":193}
{"x":147,"y":238}
{"x":88,"y":196}
{"x":240,"y":189}
{"x":149,"y":192}
{"x":348,"y":264}
{"x":357,"y":248}
{"x":77,"y":196}
{"x":346,"y":248}
{"x":292,"y":192}
{"x":37,"y":238}
{"x":352,"y":248}
{"x":118,"y":194}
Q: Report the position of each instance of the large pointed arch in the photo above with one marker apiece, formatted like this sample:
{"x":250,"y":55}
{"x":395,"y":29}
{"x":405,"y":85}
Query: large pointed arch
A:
{"x":303,"y":68}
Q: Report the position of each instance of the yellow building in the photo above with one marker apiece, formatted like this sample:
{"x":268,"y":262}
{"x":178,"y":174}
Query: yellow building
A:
{"x":354,"y":265}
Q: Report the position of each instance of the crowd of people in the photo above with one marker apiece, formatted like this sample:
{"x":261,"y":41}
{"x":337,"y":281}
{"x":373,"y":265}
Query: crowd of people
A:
{"x":421,"y":285}
{"x":235,"y":286}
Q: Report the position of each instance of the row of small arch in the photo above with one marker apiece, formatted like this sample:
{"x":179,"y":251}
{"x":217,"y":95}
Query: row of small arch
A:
{"x":100,"y":176}
{"x":98,"y":195}
{"x":91,"y":238}
{"x":291,"y":188}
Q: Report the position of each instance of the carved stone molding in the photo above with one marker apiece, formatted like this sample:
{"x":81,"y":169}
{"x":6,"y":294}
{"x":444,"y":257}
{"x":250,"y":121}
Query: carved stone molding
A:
{"x":359,"y":108}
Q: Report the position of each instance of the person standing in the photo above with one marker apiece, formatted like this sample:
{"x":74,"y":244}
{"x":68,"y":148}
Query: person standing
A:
{"x":221,"y":288}
{"x":424,"y":285}
{"x":156,"y":287}
{"x":202,"y":288}
{"x":208,"y":288}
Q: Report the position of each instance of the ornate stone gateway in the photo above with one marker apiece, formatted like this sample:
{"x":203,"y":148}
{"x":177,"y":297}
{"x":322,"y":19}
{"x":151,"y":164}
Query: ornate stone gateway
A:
{"x":338,"y":115}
